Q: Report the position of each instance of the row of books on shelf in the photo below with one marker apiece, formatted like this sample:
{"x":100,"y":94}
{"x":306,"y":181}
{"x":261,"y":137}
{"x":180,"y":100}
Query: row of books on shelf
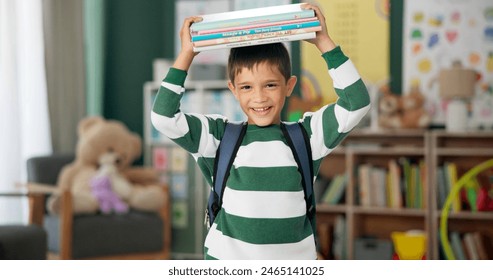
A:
{"x":471,"y":245}
{"x":332,"y":239}
{"x":254,"y":26}
{"x":221,"y":102}
{"x":400,"y":184}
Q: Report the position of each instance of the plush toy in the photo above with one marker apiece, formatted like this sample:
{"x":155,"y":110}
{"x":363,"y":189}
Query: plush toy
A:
{"x":103,"y":141}
{"x":406,"y":111}
{"x":106,"y":180}
{"x":389,"y":109}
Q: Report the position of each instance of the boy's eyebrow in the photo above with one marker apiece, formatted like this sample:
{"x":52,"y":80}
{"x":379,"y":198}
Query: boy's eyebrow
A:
{"x":242,"y":83}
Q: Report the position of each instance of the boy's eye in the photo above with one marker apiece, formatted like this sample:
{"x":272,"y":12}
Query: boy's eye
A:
{"x":245,"y":87}
{"x":271,"y":85}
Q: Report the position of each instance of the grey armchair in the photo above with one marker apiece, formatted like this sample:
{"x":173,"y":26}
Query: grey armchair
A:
{"x":135,"y":235}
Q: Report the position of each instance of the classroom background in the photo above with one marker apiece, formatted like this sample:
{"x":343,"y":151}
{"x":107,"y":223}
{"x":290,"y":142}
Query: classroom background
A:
{"x":413,"y":181}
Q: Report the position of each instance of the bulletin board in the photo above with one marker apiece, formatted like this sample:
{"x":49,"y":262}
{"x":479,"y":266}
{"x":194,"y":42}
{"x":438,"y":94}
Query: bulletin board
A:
{"x":438,"y":32}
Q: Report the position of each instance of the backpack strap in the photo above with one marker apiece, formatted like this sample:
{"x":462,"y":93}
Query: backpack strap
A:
{"x":230,"y":143}
{"x":298,"y":141}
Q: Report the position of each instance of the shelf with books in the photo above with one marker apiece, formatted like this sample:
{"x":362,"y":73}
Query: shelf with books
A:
{"x":453,"y":155}
{"x":378,"y":152}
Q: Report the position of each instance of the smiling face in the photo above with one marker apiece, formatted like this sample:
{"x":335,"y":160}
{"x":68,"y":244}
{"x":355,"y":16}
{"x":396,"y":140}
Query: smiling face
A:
{"x":261,"y":92}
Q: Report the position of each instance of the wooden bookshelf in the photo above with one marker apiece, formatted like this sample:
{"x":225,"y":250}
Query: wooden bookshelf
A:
{"x":465,"y":150}
{"x":377,"y":148}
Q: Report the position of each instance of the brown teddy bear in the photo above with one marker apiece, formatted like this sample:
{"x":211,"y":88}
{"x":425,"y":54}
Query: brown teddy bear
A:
{"x":98,"y":139}
{"x":406,"y":111}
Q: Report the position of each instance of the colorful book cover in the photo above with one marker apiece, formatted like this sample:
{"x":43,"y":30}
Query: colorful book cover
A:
{"x":179,"y":160}
{"x":251,"y":20}
{"x":406,"y":168}
{"x":294,"y":37}
{"x":258,"y":36}
{"x":451,"y":177}
{"x":378,"y":187}
{"x":179,"y":186}
{"x":160,"y":158}
{"x":267,"y":29}
{"x":252,"y":26}
{"x":180,"y":214}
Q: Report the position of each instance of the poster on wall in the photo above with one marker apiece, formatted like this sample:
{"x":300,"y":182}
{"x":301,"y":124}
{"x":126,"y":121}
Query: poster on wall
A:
{"x":440,"y":33}
{"x":361,"y":29}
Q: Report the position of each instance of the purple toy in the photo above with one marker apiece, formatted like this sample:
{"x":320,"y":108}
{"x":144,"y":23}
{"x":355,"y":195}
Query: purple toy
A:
{"x":108,"y":199}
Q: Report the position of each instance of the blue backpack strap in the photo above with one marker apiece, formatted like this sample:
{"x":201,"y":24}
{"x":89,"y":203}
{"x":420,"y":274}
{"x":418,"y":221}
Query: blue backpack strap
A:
{"x":230,"y":143}
{"x":298,"y":141}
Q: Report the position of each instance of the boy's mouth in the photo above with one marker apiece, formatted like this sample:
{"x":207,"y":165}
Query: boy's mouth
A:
{"x":262,"y":110}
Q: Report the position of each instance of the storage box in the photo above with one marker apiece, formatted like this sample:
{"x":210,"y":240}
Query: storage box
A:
{"x":368,"y":248}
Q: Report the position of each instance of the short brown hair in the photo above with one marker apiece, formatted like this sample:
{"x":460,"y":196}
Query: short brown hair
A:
{"x":275,"y":54}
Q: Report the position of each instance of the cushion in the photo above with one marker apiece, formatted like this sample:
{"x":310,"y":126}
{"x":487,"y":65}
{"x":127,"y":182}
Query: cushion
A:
{"x":104,"y":235}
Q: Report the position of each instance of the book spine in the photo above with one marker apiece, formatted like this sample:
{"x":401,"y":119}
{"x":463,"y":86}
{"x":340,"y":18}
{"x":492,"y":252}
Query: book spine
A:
{"x":219,"y":30}
{"x":252,"y":12}
{"x":251,"y":20}
{"x":295,"y":37}
{"x":272,"y":28}
{"x":255,"y":36}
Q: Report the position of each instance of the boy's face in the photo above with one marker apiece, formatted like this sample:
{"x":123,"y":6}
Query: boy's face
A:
{"x":262,"y":92}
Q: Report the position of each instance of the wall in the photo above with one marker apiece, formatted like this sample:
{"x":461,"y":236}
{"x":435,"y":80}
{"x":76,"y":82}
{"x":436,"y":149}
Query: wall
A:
{"x":137,"y":32}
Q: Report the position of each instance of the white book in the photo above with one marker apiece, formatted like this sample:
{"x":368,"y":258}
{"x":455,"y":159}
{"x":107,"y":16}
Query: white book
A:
{"x":364,"y":184}
{"x":295,"y":37}
{"x":252,"y":12}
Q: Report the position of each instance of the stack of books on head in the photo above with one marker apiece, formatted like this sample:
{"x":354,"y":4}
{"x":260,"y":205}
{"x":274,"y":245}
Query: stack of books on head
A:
{"x":254,"y":27}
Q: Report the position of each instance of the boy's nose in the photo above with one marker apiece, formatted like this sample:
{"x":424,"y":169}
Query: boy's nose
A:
{"x":259,"y":95}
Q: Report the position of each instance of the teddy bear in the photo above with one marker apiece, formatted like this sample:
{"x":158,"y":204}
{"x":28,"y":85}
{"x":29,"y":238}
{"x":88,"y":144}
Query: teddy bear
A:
{"x":406,"y":111}
{"x":98,"y":141}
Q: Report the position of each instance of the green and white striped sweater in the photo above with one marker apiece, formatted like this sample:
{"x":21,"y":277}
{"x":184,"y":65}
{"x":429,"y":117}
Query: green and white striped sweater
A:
{"x":263,"y":214}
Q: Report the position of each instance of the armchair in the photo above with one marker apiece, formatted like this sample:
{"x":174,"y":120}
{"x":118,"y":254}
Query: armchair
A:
{"x":135,"y":235}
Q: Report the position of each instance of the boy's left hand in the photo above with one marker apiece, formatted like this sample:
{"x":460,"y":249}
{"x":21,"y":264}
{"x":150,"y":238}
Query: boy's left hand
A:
{"x":322,"y":40}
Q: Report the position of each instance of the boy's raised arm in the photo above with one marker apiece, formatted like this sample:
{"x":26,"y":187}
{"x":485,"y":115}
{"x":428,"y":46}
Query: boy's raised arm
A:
{"x":186,"y":55}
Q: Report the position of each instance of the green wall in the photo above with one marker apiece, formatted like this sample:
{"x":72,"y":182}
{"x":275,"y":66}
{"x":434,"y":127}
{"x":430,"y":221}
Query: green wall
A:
{"x":136,"y":33}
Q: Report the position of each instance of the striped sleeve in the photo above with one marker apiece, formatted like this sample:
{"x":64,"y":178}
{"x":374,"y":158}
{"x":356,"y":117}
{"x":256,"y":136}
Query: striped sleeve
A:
{"x":196,"y":133}
{"x":329,"y":125}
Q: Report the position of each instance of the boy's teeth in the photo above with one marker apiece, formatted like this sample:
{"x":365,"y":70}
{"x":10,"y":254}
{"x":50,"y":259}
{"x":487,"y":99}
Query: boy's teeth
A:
{"x":260,"y":109}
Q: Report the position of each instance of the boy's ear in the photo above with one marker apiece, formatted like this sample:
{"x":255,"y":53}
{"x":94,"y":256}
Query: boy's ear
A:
{"x":231,"y":87}
{"x":291,"y":83}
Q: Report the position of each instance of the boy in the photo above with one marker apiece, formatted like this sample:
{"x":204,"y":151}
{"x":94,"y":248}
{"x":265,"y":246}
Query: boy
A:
{"x":263,"y":215}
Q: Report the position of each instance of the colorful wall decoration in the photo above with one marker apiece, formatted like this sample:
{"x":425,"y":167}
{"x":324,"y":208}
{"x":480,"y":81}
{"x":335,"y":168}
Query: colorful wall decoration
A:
{"x":438,"y":32}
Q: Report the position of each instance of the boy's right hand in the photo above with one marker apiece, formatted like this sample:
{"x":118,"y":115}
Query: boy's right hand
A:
{"x":186,"y":54}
